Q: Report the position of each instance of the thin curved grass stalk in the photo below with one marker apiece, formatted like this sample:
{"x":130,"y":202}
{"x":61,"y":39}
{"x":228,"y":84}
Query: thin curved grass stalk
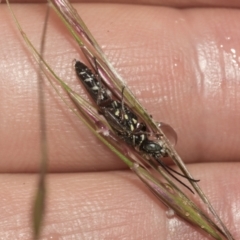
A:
{"x":92,"y":51}
{"x":168,"y":193}
{"x":40,"y":197}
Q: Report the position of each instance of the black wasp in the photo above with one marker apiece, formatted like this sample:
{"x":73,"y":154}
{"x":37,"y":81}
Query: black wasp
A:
{"x":122,"y":119}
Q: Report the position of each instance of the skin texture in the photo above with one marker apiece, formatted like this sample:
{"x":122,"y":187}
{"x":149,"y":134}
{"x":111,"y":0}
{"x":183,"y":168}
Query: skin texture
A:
{"x":168,"y":3}
{"x":183,"y":65}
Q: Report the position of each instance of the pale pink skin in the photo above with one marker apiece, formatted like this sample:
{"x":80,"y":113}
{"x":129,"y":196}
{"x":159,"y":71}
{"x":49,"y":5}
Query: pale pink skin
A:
{"x":183,"y":65}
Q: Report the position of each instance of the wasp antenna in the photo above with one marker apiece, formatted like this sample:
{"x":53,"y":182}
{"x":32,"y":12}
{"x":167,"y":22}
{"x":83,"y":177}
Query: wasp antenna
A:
{"x":186,"y":186}
{"x":178,"y":173}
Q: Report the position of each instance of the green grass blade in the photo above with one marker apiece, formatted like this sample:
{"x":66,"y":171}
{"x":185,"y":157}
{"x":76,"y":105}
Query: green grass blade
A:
{"x":80,"y":32}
